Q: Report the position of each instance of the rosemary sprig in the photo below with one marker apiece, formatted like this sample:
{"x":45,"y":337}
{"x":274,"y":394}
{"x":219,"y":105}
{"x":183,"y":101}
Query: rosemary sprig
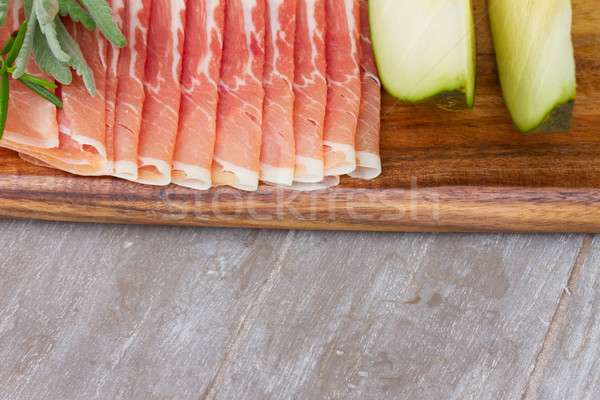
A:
{"x":11,"y":49}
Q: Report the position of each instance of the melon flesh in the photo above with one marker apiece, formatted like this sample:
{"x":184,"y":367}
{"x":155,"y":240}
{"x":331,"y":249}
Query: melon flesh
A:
{"x":536,"y":66}
{"x":425,"y":50}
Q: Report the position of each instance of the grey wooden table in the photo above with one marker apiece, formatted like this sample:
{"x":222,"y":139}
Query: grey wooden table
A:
{"x":104,"y":311}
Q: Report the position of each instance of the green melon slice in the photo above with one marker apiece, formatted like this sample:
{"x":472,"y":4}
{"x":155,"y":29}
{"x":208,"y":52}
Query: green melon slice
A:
{"x":536,"y":66}
{"x":425,"y":50}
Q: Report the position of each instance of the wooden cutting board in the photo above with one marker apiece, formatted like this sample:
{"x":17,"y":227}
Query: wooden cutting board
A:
{"x":442,"y":171}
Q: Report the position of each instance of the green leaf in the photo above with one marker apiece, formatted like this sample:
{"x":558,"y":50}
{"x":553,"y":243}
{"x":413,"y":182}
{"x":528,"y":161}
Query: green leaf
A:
{"x":49,"y":30}
{"x":48,"y":63}
{"x":101,"y":13}
{"x":3,"y":100}
{"x":3,"y":11}
{"x":46,"y":10}
{"x":77,"y":13}
{"x":42,"y":91}
{"x":77,"y":61}
{"x":38,"y":81}
{"x":25,"y":52}
{"x":8,"y":45}
{"x":18,"y":44}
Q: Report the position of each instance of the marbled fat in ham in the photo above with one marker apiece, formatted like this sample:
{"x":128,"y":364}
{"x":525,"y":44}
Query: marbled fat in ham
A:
{"x":310,"y":89}
{"x":278,"y":151}
{"x":130,"y":88}
{"x":160,"y":116}
{"x":203,"y":47}
{"x":344,"y":86}
{"x":239,"y":113}
{"x":213,"y":92}
{"x":368,"y":162}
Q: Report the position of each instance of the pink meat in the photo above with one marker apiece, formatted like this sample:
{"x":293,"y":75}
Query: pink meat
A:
{"x":160,"y":118}
{"x":113,"y":51}
{"x":82,"y":121}
{"x":368,"y":163}
{"x":344,"y":86}
{"x":278,"y":153}
{"x":31,"y":121}
{"x":310,"y":89}
{"x":239,"y":113}
{"x":199,"y":94}
{"x":130,"y":88}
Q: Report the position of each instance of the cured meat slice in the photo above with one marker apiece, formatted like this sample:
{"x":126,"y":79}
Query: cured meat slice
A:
{"x":278,"y":153}
{"x":83,"y":117}
{"x":368,"y":163}
{"x":310,"y":89}
{"x":239,"y":113}
{"x":343,"y":80}
{"x":31,"y":120}
{"x":130,"y":88}
{"x":160,"y":117}
{"x":113,"y":51}
{"x":81,"y":123}
{"x":199,"y":94}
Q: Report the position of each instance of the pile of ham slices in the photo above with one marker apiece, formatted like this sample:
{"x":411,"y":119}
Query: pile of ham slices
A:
{"x":213,"y":92}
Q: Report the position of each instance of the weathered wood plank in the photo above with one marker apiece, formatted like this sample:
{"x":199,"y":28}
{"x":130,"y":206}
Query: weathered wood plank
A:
{"x":384,"y":316}
{"x":572,"y":371}
{"x":98,"y":311}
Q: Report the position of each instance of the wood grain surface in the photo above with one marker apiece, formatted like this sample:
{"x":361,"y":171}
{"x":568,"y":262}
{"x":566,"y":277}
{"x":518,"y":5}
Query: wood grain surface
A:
{"x":572,"y":368}
{"x":104,"y":311}
{"x":443,"y":171}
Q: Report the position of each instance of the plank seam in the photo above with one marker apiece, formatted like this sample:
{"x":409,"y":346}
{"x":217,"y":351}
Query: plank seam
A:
{"x":537,"y":371}
{"x":250,"y":318}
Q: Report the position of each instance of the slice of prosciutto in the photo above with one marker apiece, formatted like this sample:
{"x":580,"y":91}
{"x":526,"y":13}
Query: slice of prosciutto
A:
{"x":31,"y":120}
{"x":160,"y":117}
{"x":368,"y":162}
{"x":81,"y":122}
{"x":112,"y":61}
{"x":310,"y":89}
{"x":278,"y":151}
{"x":203,"y":47}
{"x":239,"y":113}
{"x":344,"y":86}
{"x":130,"y":88}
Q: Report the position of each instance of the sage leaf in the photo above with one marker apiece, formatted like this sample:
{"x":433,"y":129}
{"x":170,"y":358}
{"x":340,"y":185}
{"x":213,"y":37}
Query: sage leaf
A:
{"x":3,"y":11}
{"x":76,"y":60}
{"x":102,"y":15}
{"x":25,"y":52}
{"x":77,"y":13}
{"x":49,"y":63}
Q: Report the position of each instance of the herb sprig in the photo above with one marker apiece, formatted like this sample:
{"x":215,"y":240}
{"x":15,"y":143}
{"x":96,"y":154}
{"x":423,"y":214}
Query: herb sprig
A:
{"x":56,"y":52}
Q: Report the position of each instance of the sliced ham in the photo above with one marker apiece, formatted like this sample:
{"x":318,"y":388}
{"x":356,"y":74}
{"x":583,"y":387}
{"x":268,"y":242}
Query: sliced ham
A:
{"x":368,"y":162}
{"x":130,"y":88}
{"x":81,"y":122}
{"x":113,"y":51}
{"x":278,"y":151}
{"x":83,"y":117}
{"x":31,"y":120}
{"x":160,"y":116}
{"x":310,"y":89}
{"x":344,"y":86}
{"x":194,"y":149}
{"x":239,"y":113}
